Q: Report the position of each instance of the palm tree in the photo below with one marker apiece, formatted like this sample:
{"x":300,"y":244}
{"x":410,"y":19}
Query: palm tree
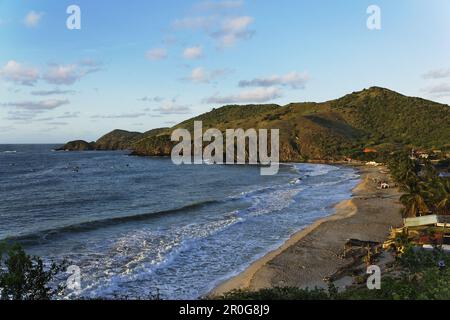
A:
{"x":443,"y":204}
{"x":403,"y":169}
{"x":415,"y":200}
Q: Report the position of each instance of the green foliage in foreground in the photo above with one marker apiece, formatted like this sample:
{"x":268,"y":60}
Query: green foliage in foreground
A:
{"x":416,"y":276}
{"x":23,"y":277}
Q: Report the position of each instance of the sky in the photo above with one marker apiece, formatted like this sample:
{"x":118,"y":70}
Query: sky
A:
{"x":139,"y":64}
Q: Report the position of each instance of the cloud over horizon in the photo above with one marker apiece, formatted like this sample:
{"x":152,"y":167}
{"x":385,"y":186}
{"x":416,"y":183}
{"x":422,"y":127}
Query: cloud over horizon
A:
{"x":28,"y":110}
{"x":38,"y":106}
{"x":151,"y":99}
{"x":120,"y":116}
{"x":172,"y":108}
{"x":437,"y":74}
{"x":258,"y":95}
{"x":68,"y":74}
{"x":18,"y":73}
{"x":201,"y":75}
{"x":51,"y":92}
{"x":57,"y":74}
{"x":439,"y":90}
{"x":293,"y":79}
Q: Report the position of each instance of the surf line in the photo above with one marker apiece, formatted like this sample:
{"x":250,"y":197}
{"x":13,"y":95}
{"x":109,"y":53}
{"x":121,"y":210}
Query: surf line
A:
{"x":257,"y":147}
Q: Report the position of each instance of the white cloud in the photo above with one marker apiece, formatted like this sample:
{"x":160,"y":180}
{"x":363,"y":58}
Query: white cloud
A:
{"x":57,"y":123}
{"x":26,"y":111}
{"x":59,"y":74}
{"x":157,"y":54}
{"x":16,"y":72}
{"x":293,"y":79}
{"x":65,"y":115}
{"x":224,"y":28}
{"x":193,"y":53}
{"x":151,"y":99}
{"x":63,"y":74}
{"x":32,"y":19}
{"x":120,"y":116}
{"x":200,"y":75}
{"x":233,"y":30}
{"x":43,"y":105}
{"x":21,"y":115}
{"x":51,"y":92}
{"x":237,"y":24}
{"x":437,"y":74}
{"x":68,"y":74}
{"x":170,"y":123}
{"x":258,"y":95}
{"x":69,"y":115}
{"x":172,"y":108}
{"x":440,"y":90}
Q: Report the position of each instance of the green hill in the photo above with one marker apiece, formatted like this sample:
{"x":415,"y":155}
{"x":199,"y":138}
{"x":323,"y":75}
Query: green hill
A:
{"x":377,"y":118}
{"x":117,"y":140}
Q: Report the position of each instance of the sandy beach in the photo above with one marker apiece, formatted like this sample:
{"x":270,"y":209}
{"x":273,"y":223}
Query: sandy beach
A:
{"x":313,"y":253}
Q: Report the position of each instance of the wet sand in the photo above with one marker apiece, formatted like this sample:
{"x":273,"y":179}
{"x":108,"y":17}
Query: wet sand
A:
{"x":314,"y":253}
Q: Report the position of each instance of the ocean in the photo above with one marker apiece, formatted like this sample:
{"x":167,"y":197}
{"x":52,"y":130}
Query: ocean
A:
{"x":140,"y":226}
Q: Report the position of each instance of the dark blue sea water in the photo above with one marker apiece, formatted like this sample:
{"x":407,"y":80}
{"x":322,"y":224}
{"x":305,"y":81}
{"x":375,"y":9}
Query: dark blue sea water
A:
{"x":136,"y":225}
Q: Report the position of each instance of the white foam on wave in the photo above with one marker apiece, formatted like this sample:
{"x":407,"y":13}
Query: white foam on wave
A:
{"x":167,"y":257}
{"x":266,"y":200}
{"x":137,"y":255}
{"x":314,"y":170}
{"x":271,"y":202}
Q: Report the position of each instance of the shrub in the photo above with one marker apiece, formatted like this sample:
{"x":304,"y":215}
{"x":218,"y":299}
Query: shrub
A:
{"x":418,"y":275}
{"x":23,"y":277}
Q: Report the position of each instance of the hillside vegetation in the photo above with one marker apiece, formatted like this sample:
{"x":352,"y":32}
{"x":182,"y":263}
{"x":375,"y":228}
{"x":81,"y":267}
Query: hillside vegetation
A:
{"x":374,"y":118}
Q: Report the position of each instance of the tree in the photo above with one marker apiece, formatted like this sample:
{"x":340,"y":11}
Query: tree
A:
{"x":23,"y":277}
{"x":444,"y":196}
{"x":415,"y":200}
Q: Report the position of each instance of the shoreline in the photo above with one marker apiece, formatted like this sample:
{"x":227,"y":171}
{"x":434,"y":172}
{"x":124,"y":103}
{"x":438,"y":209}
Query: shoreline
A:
{"x":312,"y":254}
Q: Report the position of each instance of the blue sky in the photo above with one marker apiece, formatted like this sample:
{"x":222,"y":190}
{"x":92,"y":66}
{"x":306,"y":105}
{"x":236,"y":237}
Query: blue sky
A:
{"x":139,"y":65}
